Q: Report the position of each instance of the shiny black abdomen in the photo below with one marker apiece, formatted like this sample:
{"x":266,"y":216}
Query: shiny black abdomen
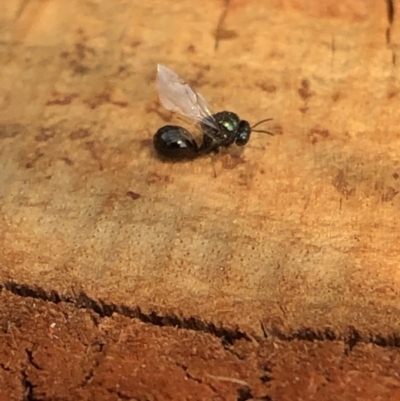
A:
{"x":175,"y":143}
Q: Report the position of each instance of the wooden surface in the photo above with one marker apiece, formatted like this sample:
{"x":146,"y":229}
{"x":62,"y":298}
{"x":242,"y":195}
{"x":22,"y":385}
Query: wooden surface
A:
{"x":297,"y":237}
{"x":76,"y":354}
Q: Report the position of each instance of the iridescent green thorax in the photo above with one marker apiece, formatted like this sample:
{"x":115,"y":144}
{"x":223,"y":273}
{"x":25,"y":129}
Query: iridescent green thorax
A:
{"x":227,"y":120}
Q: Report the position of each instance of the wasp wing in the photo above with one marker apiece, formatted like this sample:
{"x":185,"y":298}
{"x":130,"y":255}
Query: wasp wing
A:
{"x":177,"y":96}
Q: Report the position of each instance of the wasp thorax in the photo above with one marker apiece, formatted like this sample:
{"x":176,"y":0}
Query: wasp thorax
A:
{"x":227,"y":120}
{"x":229,"y":125}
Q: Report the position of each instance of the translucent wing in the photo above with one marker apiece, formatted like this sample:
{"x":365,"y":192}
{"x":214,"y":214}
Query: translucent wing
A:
{"x":177,"y":96}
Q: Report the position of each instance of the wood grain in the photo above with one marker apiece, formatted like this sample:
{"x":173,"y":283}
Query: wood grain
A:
{"x":298,"y":232}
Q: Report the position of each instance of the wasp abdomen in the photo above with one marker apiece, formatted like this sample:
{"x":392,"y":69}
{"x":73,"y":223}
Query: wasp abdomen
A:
{"x":175,"y":143}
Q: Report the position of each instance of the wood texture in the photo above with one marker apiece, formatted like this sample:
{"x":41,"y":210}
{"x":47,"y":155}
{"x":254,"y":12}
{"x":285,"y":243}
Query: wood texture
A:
{"x":298,"y":234}
{"x":74,"y":354}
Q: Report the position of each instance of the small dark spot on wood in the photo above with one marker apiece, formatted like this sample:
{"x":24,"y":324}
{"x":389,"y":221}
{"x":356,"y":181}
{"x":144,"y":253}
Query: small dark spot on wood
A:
{"x":395,"y":176}
{"x":91,"y":147}
{"x":103,"y":98}
{"x":78,"y":57}
{"x":97,"y":100}
{"x":199,"y":80}
{"x":317,"y":134}
{"x":44,"y":135}
{"x":277,"y":130}
{"x":336,"y":96}
{"x":244,"y":394}
{"x":303,"y":110}
{"x":219,"y":31}
{"x":387,"y":35}
{"x":389,"y":194}
{"x":80,"y":133}
{"x":135,"y":43}
{"x":262,"y":171}
{"x":269,"y":88}
{"x":30,"y":164}
{"x":61,"y":99}
{"x":392,"y":94}
{"x":133,"y":195}
{"x":342,"y":185}
{"x":150,"y":76}
{"x":78,"y":68}
{"x":121,"y":69}
{"x":80,"y":50}
{"x":67,"y":161}
{"x":10,"y":130}
{"x":304,"y":90}
{"x":120,"y":103}
{"x":265,"y":378}
{"x":153,"y":178}
{"x":230,"y":161}
{"x":390,"y":11}
{"x":191,"y":49}
{"x":244,"y":179}
{"x":225,"y":34}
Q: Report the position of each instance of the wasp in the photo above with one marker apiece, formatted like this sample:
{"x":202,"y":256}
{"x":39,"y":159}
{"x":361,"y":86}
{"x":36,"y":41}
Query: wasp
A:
{"x":222,"y":129}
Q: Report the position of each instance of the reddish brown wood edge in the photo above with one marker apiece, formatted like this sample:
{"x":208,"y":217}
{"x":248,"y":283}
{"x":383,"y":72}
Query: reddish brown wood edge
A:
{"x":53,"y":349}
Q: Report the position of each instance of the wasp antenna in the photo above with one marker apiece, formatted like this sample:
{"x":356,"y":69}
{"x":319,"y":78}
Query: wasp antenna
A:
{"x":262,"y":121}
{"x":262,"y":131}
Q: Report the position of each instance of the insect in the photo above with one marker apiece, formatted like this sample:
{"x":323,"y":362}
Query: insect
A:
{"x":221,"y":129}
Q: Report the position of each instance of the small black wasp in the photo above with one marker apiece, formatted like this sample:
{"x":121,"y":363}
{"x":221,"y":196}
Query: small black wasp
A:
{"x":219,"y":129}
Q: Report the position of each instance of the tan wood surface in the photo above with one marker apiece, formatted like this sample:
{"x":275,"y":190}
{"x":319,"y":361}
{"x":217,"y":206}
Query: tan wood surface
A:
{"x":298,"y":232}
